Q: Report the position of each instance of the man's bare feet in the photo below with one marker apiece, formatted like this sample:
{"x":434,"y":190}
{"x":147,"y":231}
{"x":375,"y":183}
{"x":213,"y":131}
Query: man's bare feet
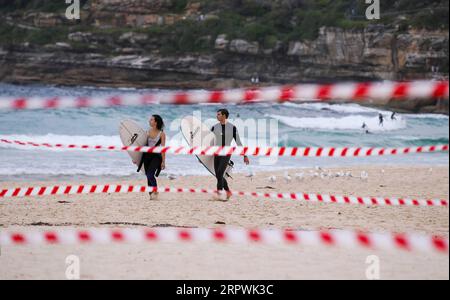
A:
{"x":219,"y":196}
{"x":215,"y":197}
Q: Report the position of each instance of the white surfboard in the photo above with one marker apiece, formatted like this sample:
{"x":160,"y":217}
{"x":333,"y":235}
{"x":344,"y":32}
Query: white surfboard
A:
{"x":198,"y":134}
{"x":132,"y":134}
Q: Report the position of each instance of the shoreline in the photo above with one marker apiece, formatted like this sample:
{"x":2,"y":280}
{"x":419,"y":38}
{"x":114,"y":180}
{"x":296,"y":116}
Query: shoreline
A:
{"x":8,"y":179}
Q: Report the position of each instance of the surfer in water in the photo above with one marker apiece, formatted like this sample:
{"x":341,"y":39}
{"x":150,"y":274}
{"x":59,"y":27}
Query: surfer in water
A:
{"x":381,"y":119}
{"x":154,"y":163}
{"x":225,"y":133}
{"x":393,"y":118}
{"x":365,"y":128}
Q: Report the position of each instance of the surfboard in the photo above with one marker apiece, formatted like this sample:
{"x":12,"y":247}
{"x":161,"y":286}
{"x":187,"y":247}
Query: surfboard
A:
{"x":132,"y":134}
{"x":197,"y":134}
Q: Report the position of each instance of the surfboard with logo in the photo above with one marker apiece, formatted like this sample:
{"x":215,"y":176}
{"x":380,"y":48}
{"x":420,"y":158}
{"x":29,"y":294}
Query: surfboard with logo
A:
{"x":197,"y":134}
{"x":131,"y":134}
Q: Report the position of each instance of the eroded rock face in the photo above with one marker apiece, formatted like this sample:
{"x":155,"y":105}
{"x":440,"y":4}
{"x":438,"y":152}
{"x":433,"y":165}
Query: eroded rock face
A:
{"x":291,"y":4}
{"x":44,"y":20}
{"x":130,"y":6}
{"x":336,"y":54}
{"x":221,"y":42}
{"x":244,"y":47}
{"x":80,"y":37}
{"x":381,"y":53}
{"x":135,"y":13}
{"x":133,"y":38}
{"x":130,"y":67}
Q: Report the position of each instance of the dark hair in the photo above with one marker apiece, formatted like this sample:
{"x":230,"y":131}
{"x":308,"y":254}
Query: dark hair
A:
{"x":159,"y":122}
{"x":224,"y":112}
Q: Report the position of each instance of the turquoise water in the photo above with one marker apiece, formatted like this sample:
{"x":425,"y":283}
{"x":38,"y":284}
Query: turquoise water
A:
{"x":317,"y":124}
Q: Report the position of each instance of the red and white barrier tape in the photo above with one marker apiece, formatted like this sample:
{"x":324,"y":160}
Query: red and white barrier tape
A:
{"x":249,"y":151}
{"x":114,"y":189}
{"x":303,"y":92}
{"x":346,"y":239}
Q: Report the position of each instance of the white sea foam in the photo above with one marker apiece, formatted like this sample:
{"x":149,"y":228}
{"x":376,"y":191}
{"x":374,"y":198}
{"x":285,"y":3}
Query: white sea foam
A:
{"x":340,"y":108}
{"x":71,"y":140}
{"x":426,"y":116}
{"x":66,"y":139}
{"x":345,"y":123}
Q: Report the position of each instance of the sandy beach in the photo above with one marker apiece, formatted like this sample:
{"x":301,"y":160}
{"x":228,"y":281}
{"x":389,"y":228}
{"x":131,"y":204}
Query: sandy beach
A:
{"x":341,"y":106}
{"x":212,"y":261}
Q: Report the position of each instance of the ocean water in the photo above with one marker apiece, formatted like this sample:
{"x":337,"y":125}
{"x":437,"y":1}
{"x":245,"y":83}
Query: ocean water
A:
{"x":289,"y":124}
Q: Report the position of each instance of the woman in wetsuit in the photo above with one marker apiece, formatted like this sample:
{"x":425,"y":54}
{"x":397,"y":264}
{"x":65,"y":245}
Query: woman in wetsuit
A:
{"x":154,"y":163}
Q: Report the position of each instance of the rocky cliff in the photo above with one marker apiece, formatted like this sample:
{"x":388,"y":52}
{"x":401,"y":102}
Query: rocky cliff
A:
{"x":121,"y":43}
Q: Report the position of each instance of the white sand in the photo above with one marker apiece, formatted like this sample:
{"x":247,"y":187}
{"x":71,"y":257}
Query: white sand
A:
{"x":209,"y":261}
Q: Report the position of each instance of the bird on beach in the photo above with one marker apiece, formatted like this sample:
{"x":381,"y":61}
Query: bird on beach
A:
{"x":364,"y":175}
{"x":273,"y":179}
{"x":250,"y":174}
{"x":313,"y":174}
{"x":340,"y":174}
{"x":300,"y":176}
{"x":287,"y":178}
{"x":172,"y":177}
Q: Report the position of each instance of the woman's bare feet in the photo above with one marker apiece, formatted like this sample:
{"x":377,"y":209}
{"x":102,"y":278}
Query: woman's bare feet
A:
{"x":153,"y":195}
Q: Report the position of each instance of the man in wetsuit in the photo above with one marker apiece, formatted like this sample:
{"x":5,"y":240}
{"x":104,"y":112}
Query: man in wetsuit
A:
{"x":225,"y":133}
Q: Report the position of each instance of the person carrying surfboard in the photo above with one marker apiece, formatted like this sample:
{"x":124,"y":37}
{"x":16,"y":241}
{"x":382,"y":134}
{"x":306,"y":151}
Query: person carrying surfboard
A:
{"x":154,"y":163}
{"x":225,"y":133}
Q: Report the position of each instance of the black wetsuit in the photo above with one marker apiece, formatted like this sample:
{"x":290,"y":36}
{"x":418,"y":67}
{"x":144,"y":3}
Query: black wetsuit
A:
{"x":152,"y":166}
{"x":225,"y":134}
